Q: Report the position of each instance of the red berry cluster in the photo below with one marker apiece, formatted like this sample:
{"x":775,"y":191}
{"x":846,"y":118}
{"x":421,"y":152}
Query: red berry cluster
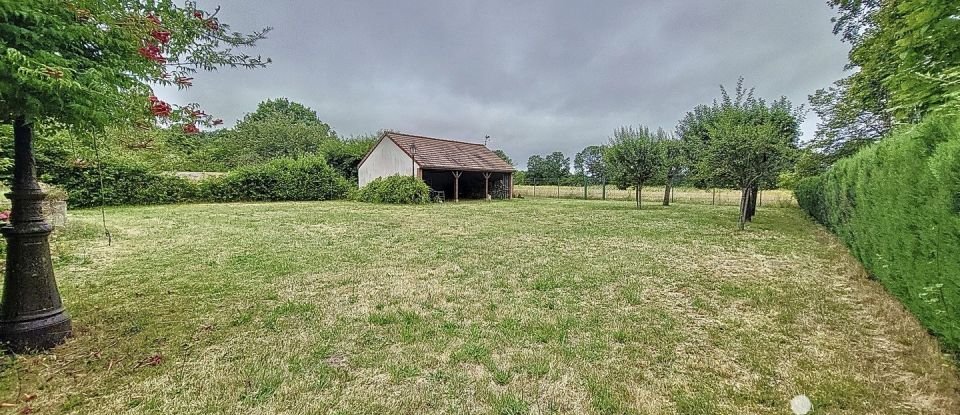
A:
{"x":161,"y":36}
{"x":152,"y":50}
{"x":160,"y":108}
{"x":152,"y":53}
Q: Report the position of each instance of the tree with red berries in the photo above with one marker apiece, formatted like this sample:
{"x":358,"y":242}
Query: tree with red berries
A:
{"x":86,"y":64}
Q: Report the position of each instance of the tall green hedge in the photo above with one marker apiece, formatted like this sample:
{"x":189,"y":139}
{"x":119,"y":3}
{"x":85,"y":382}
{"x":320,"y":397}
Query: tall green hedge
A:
{"x":124,"y":183}
{"x":897,"y":206}
{"x":306,"y":178}
{"x":131,"y":183}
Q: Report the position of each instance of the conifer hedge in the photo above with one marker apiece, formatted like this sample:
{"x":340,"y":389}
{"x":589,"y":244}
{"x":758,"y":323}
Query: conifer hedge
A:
{"x":897,"y":206}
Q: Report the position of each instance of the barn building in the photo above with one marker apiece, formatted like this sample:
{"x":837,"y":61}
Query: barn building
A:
{"x":453,"y":169}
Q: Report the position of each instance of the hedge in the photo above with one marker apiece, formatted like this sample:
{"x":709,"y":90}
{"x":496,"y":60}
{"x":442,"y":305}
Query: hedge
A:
{"x":124,"y":183}
{"x":395,"y":189}
{"x":897,"y":206}
{"x":130,"y":183}
{"x":306,"y":178}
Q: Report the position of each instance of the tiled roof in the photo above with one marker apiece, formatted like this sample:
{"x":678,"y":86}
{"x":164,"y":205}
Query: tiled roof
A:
{"x":438,"y":153}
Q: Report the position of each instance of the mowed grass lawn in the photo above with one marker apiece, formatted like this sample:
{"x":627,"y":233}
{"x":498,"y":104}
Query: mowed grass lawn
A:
{"x":525,"y":306}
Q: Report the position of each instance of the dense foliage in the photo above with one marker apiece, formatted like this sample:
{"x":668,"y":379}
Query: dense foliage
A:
{"x":741,"y":142}
{"x":395,"y":189}
{"x":905,"y":63}
{"x":124,"y":183}
{"x":700,"y":125}
{"x":553,"y":168}
{"x":88,"y":63}
{"x":633,"y":157}
{"x":163,"y":151}
{"x":277,"y":128}
{"x":897,"y":205}
{"x":589,"y":162}
{"x":127,"y":182}
{"x":305,"y":178}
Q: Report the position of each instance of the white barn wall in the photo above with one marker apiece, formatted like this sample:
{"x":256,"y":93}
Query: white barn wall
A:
{"x":386,"y":159}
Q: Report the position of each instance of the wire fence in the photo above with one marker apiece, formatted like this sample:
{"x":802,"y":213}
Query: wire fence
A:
{"x":724,"y":197}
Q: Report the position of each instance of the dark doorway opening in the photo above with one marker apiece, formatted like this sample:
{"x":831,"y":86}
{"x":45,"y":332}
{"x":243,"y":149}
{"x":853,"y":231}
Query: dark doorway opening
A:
{"x":471,"y":186}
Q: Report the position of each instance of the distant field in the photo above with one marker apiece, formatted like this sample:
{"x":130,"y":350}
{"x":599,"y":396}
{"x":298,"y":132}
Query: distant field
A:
{"x":725,"y":197}
{"x":512,"y":307}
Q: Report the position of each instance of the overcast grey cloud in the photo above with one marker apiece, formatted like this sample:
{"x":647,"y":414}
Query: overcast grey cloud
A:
{"x":537,"y":76}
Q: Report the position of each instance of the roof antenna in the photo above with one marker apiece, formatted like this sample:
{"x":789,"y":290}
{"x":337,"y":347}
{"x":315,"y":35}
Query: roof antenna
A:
{"x":485,"y":139}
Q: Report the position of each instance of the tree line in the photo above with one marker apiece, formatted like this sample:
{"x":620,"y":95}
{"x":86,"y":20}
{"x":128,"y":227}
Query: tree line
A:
{"x":739,"y":141}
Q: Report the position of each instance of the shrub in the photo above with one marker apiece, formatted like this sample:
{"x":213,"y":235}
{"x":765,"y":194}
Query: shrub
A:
{"x":897,"y":206}
{"x":307,"y":178}
{"x":395,"y":189}
{"x":124,"y":183}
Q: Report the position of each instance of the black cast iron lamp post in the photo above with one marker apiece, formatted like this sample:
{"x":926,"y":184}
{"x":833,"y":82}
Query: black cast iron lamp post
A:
{"x":32,"y":316}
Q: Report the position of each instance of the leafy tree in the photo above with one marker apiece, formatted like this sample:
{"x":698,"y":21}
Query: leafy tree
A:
{"x":503,"y":155}
{"x":261,"y":140}
{"x":534,"y":168}
{"x":697,"y":127}
{"x":671,"y":150}
{"x":845,"y":125}
{"x":86,"y":64}
{"x":278,"y":128}
{"x":743,"y":152}
{"x":550,"y":169}
{"x":287,"y":111}
{"x":89,"y":64}
{"x":589,"y":163}
{"x":906,"y":64}
{"x":633,"y":158}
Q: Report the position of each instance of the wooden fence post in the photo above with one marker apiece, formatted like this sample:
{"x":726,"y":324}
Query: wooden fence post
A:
{"x":456,"y":185}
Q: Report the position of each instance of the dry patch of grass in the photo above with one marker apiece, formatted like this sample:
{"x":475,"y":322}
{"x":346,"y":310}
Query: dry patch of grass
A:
{"x":528,"y":306}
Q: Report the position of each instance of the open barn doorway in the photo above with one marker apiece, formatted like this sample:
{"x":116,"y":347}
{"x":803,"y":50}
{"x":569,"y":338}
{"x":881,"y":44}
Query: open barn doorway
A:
{"x":471,"y":184}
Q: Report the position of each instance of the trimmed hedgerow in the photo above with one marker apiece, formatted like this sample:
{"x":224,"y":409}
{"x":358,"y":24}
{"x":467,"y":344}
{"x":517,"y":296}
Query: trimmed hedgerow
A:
{"x":395,"y":189}
{"x":131,"y":183}
{"x":306,"y":178}
{"x":124,"y":183}
{"x":897,"y":206}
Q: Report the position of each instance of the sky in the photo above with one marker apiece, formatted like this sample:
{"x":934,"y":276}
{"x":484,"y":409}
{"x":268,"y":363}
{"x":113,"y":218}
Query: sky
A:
{"x":537,"y":76}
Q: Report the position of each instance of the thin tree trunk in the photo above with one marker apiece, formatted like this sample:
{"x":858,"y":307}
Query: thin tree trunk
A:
{"x":604,"y":193}
{"x":640,"y":196}
{"x":666,"y":193}
{"x":752,"y":203}
{"x":584,"y":187}
{"x":744,"y":198}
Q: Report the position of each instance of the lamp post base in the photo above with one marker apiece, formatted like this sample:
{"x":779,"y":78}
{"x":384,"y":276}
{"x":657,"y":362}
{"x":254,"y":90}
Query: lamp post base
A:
{"x":36,"y":334}
{"x":32,"y":316}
